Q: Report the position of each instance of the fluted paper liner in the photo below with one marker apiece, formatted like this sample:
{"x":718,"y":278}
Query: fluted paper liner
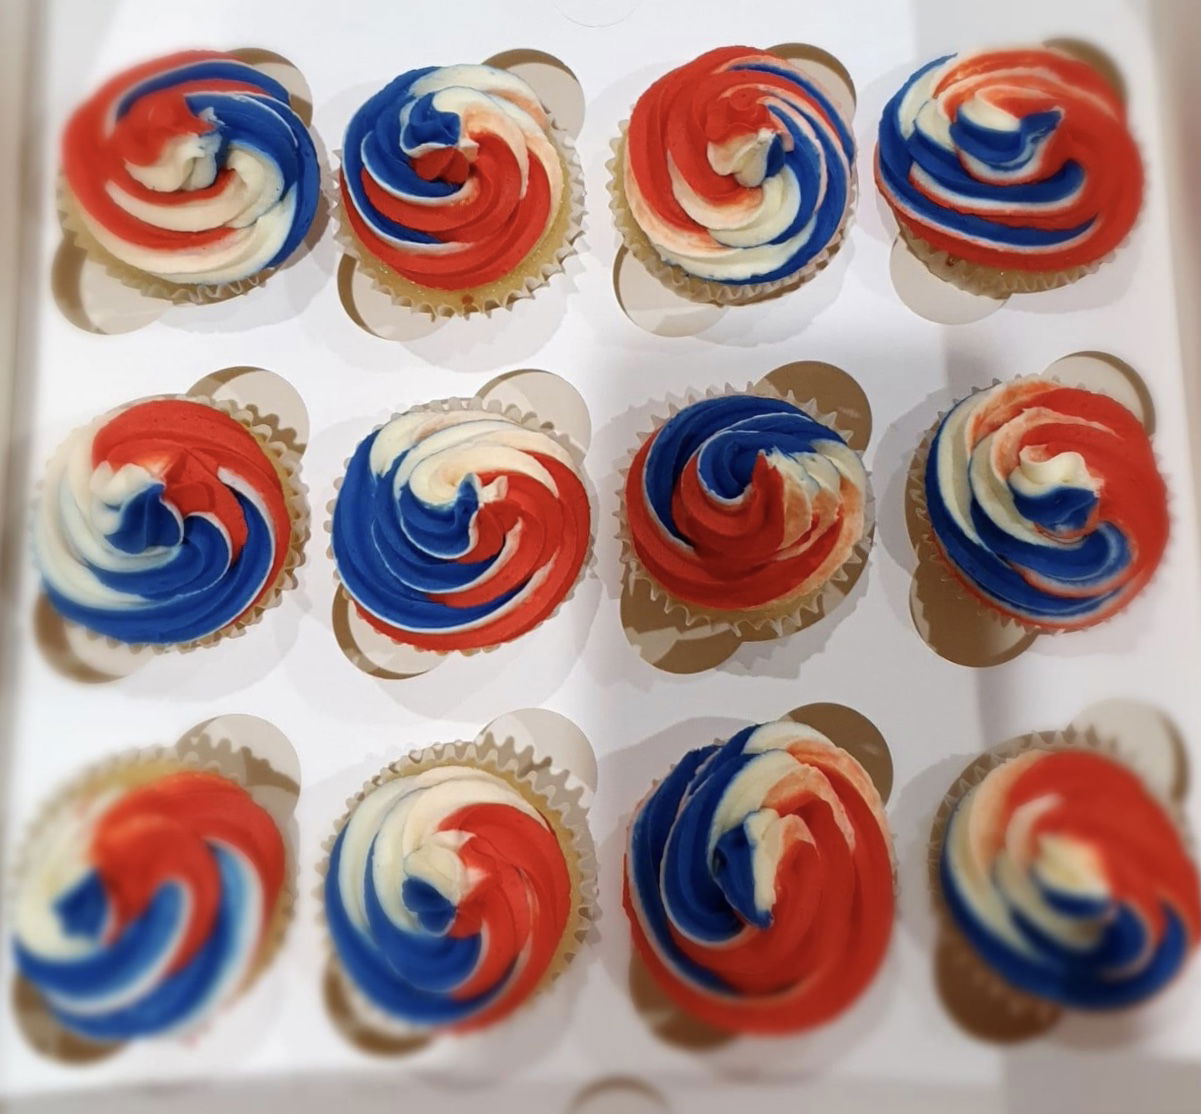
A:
{"x":196,"y":752}
{"x":928,"y":549}
{"x":287,"y":465}
{"x":527,"y":421}
{"x":690,"y":286}
{"x":545,"y":260}
{"x":780,"y":617}
{"x":544,"y":788}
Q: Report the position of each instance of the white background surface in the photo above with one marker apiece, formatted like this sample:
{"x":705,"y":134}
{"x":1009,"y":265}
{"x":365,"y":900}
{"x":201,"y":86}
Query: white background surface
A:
{"x":898,"y":1049}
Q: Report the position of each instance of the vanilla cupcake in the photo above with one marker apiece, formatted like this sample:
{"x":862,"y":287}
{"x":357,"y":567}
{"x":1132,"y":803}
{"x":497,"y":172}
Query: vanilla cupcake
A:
{"x":734,"y":177}
{"x":169,"y":522}
{"x":191,"y":177}
{"x":457,"y":193}
{"x":1010,"y":170}
{"x":759,"y":880}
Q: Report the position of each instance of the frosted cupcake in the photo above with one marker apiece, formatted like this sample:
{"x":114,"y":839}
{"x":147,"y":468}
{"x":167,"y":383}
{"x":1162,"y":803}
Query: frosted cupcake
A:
{"x":459,"y":528}
{"x":456,"y":889}
{"x":146,"y":899}
{"x":168,"y":522}
{"x":1045,"y":502}
{"x":191,"y":176}
{"x":1010,"y":170}
{"x":759,"y":881}
{"x":457,"y":193}
{"x":743,"y":509}
{"x":1067,"y":878}
{"x":734,"y":177}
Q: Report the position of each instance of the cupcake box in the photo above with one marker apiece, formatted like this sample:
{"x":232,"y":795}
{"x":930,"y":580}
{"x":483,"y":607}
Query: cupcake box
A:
{"x":345,"y":724}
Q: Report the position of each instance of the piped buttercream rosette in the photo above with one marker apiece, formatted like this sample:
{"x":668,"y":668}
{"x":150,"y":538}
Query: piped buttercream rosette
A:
{"x":191,"y":176}
{"x":457,"y":193}
{"x":459,"y":884}
{"x":734,"y":177}
{"x":759,"y":880}
{"x":460,"y":526}
{"x":745,"y":510}
{"x":1044,"y":503}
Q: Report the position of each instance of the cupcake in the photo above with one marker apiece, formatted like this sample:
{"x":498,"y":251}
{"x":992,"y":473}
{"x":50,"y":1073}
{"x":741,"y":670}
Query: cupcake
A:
{"x":734,"y":177}
{"x":1010,"y":170}
{"x":457,"y":887}
{"x":191,"y":176}
{"x":744,"y":510}
{"x":1045,"y":502}
{"x":147,"y":898}
{"x":1066,"y":877}
{"x":457,"y":193}
{"x":459,"y":528}
{"x":168,"y":522}
{"x":759,"y":880}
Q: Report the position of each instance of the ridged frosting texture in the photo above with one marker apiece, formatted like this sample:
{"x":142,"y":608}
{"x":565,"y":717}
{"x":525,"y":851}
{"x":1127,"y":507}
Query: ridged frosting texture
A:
{"x":450,"y":175}
{"x":1069,"y":878}
{"x":143,"y":910}
{"x":758,"y":880}
{"x":739,"y":502}
{"x":1014,"y":159}
{"x":738,"y":167}
{"x":459,"y":529}
{"x":194,"y":167}
{"x":447,"y":897}
{"x":1046,"y":501}
{"x":163,"y":522}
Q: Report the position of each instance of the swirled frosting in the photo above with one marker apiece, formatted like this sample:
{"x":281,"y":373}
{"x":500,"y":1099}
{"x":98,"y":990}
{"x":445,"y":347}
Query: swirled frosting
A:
{"x":1014,"y":159}
{"x":1046,"y":501}
{"x":140,"y":912}
{"x":194,"y":167}
{"x":447,"y":897}
{"x":450,"y":175}
{"x":758,"y":880}
{"x":161,"y":523}
{"x":459,"y":529}
{"x":738,"y":167}
{"x":1070,"y":880}
{"x":741,"y":501}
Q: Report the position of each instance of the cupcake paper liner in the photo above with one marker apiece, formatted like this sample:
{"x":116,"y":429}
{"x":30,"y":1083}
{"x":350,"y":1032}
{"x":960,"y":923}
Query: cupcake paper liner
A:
{"x":690,"y":286}
{"x":781,"y":617}
{"x":528,"y":421}
{"x":547,"y":259}
{"x":543,"y":787}
{"x":287,"y":464}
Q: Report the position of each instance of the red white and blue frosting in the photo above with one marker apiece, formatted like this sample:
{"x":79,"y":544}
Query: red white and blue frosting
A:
{"x":738,"y":167}
{"x":194,"y":167}
{"x":459,"y":529}
{"x":758,"y":880}
{"x":1046,"y":502}
{"x":1070,"y":880}
{"x":450,"y":175}
{"x":140,"y":911}
{"x":1014,"y":159}
{"x":163,"y":522}
{"x":743,"y":501}
{"x":447,"y":897}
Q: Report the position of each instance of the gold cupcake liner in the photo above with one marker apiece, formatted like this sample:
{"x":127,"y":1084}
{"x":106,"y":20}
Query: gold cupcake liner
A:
{"x":709,"y":291}
{"x":544,"y":788}
{"x":779,"y":618}
{"x":286,"y":461}
{"x":527,"y":421}
{"x":546,"y":259}
{"x":197,"y":752}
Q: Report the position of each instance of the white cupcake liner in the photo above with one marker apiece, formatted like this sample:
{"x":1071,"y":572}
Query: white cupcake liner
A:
{"x":545,"y":788}
{"x":527,"y":421}
{"x":769,"y":621}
